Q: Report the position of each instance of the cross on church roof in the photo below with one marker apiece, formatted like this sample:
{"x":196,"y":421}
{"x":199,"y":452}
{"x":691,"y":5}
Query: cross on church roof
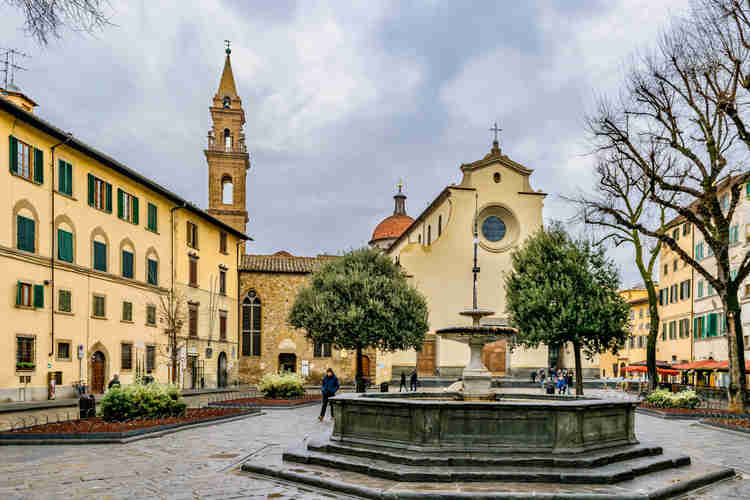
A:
{"x":495,"y":129}
{"x":227,"y":43}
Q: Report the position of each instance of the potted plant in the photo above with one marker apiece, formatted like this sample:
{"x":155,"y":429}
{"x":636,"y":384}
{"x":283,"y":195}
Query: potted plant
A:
{"x":25,"y":366}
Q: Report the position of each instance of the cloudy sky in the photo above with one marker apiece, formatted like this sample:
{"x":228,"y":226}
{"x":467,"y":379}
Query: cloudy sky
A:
{"x":343,"y":100}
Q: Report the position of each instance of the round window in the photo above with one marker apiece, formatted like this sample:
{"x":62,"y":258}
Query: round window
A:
{"x":493,"y":229}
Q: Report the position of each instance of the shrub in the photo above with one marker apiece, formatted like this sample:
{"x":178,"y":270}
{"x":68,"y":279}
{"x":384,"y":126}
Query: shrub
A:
{"x":662,"y":398}
{"x":141,"y":401}
{"x":281,"y":386}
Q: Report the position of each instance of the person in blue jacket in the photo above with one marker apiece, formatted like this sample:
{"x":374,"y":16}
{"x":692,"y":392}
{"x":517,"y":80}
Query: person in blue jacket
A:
{"x":329,"y":387}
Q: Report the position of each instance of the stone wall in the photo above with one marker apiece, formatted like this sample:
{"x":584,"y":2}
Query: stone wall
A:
{"x":277,"y":292}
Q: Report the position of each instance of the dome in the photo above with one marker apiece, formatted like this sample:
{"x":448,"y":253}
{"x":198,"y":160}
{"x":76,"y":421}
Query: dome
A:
{"x":392,"y":227}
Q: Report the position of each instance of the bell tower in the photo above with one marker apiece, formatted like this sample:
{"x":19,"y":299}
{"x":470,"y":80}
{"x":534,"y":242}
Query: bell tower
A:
{"x":226,"y":154}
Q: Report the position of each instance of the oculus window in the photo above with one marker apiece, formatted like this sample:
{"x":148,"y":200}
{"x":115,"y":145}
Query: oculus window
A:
{"x":493,"y":229}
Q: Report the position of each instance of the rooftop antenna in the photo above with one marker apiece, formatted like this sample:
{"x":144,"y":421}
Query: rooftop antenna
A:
{"x":10,"y":66}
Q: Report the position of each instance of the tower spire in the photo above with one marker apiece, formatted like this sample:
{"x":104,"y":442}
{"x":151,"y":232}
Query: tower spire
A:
{"x":400,"y":201}
{"x":226,"y":84}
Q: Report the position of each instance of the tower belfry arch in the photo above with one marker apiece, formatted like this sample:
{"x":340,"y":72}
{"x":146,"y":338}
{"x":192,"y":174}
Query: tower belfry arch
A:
{"x":226,"y":153}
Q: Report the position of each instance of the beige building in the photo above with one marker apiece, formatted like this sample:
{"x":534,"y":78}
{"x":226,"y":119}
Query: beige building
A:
{"x":436,"y":252}
{"x":634,"y":350}
{"x":88,"y":251}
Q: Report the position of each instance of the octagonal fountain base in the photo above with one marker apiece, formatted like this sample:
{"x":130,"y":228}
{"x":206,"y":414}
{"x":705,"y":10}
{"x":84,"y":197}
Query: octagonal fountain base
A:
{"x":428,"y":445}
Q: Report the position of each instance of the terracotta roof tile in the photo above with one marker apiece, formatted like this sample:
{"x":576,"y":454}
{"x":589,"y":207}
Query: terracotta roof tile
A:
{"x":282,"y":262}
{"x":392,"y":227}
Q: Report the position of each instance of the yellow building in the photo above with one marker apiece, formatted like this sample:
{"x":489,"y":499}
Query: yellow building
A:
{"x":674,"y":344}
{"x":88,"y":252}
{"x":634,"y":351}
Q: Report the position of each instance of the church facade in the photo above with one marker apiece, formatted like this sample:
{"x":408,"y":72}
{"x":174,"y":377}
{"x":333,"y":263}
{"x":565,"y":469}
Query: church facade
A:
{"x":436,"y":252}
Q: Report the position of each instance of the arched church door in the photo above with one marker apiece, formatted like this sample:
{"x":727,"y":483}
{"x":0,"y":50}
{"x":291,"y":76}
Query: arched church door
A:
{"x":222,"y":370}
{"x":98,"y":362}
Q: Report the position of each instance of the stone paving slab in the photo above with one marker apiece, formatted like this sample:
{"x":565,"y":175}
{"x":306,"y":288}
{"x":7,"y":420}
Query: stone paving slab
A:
{"x":202,"y":463}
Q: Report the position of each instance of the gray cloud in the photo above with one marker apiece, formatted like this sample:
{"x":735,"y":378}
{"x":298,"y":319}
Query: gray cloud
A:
{"x":343,"y":100}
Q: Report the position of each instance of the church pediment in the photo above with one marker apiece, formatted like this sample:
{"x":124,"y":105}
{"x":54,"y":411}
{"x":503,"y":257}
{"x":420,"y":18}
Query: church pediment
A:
{"x":493,"y":157}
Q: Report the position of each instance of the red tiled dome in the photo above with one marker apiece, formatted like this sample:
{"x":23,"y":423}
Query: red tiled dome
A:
{"x":392,"y":227}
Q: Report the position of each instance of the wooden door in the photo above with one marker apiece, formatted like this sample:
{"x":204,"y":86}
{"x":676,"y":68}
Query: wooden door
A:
{"x":365,"y":366}
{"x":493,"y":357}
{"x":97,"y":373}
{"x":426,"y":359}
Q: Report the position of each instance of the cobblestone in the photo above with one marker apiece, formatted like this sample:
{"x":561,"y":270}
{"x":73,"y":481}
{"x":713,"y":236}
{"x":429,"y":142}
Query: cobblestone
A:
{"x":201,"y":463}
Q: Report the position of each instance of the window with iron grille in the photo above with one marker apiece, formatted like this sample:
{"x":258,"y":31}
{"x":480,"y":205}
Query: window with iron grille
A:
{"x":222,"y":325}
{"x":63,"y":350}
{"x":150,"y":358}
{"x":251,"y":323}
{"x":127,"y":311}
{"x":322,"y":350}
{"x":65,"y":301}
{"x":25,"y":352}
{"x":193,"y":320}
{"x":126,"y":361}
{"x":98,"y":309}
{"x":150,"y":314}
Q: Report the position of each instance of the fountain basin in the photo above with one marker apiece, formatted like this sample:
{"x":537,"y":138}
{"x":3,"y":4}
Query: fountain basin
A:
{"x":522,"y":424}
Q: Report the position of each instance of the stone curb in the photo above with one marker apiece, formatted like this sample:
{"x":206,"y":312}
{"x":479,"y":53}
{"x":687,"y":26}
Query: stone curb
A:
{"x":264,"y":407}
{"x":333,"y":485}
{"x":116,"y":437}
{"x":725,"y":427}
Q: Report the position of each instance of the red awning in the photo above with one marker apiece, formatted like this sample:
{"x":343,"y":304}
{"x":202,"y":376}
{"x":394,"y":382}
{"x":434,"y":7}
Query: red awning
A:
{"x":643,"y":369}
{"x":709,"y":365}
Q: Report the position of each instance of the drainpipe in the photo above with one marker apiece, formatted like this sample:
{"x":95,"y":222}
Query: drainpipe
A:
{"x":68,"y":137}
{"x":239,"y":300}
{"x":173,"y":331}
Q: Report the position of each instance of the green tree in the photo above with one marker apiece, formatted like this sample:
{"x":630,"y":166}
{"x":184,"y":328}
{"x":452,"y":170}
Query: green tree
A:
{"x":361,"y":301}
{"x":562,"y":290}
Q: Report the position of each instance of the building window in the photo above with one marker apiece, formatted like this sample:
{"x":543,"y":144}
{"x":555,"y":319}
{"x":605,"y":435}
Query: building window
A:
{"x":192,"y":235}
{"x":193,"y":262}
{"x":251,"y":324}
{"x":429,"y":235}
{"x":699,"y":251}
{"x":99,"y":303}
{"x":632,"y":342}
{"x":150,"y":314}
{"x":65,"y":177}
{"x":100,"y":194}
{"x":710,"y":289}
{"x":23,"y":294}
{"x":25,"y":352}
{"x":222,"y":325}
{"x":223,"y":242}
{"x":676,"y":234}
{"x":127,"y":311}
{"x":666,"y":269}
{"x":193,"y":320}
{"x":734,"y":234}
{"x":686,"y":229}
{"x":700,"y":289}
{"x":153,"y":272}
{"x":26,"y":233}
{"x":640,"y":313}
{"x":63,"y":351}
{"x":26,"y":161}
{"x":126,"y":360}
{"x":100,"y":256}
{"x":152,"y":224}
{"x":222,"y":282}
{"x":322,"y":350}
{"x":127,"y":206}
{"x":640,"y":341}
{"x":64,"y":245}
{"x":672,"y":330}
{"x":674,"y":265}
{"x":440,"y":225}
{"x":65,"y":301}
{"x":227,"y":140}
{"x":127,"y":264}
{"x":150,"y":358}
{"x":664,"y":331}
{"x":724,"y":200}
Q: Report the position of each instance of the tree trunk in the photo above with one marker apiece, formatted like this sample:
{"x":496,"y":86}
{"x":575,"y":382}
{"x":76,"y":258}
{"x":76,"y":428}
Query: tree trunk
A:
{"x":653,"y":335}
{"x":173,"y":355}
{"x":358,"y":378}
{"x":579,"y":370}
{"x":737,"y":386}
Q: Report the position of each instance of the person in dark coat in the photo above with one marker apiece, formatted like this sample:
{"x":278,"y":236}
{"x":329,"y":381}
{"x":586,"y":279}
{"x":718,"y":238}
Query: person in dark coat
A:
{"x":403,"y":387}
{"x":569,"y":380}
{"x":413,"y":380}
{"x":533,"y":376}
{"x":328,"y":388}
{"x":114,"y":382}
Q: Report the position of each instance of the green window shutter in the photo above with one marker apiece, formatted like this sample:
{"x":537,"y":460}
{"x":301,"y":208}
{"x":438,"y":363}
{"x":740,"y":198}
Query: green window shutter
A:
{"x":153,"y":272}
{"x":65,"y":171}
{"x":711,"y":325}
{"x":152,"y":217}
{"x":19,"y":293}
{"x":38,"y":296}
{"x":13,"y":147}
{"x":100,"y":256}
{"x":92,"y":190}
{"x":38,"y":166}
{"x":109,"y":197}
{"x":119,"y":203}
{"x":127,"y":264}
{"x":695,"y":328}
{"x":747,"y":189}
{"x":134,"y":201}
{"x":64,"y":245}
{"x":25,"y":231}
{"x":61,"y":176}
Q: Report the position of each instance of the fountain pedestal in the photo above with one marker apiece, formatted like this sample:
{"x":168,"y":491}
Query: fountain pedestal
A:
{"x":476,"y":377}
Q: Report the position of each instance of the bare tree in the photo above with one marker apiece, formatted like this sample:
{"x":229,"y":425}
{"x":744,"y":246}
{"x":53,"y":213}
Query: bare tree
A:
{"x":621,"y":200}
{"x":680,"y":121}
{"x":44,"y":19}
{"x":172,"y":315}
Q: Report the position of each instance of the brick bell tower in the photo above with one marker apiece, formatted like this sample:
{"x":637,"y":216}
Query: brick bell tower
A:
{"x":226,"y":154}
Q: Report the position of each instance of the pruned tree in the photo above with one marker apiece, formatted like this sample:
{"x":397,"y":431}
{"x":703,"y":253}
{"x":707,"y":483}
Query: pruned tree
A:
{"x":171,"y":312}
{"x":359,"y":301}
{"x":44,"y":19}
{"x":681,"y":122}
{"x":560,"y":291}
{"x":621,"y":199}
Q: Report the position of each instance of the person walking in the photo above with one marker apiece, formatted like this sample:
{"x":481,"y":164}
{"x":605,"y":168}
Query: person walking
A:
{"x":114,"y":382}
{"x":541,"y":378}
{"x":560,"y":385}
{"x":569,"y":380}
{"x":328,"y":388}
{"x":403,"y":387}
{"x":533,"y":376}
{"x":413,"y":381}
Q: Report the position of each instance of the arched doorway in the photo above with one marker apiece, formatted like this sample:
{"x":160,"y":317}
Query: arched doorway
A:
{"x":287,"y":362}
{"x":222,"y":370}
{"x":98,"y":376}
{"x":493,"y":357}
{"x":365,"y":366}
